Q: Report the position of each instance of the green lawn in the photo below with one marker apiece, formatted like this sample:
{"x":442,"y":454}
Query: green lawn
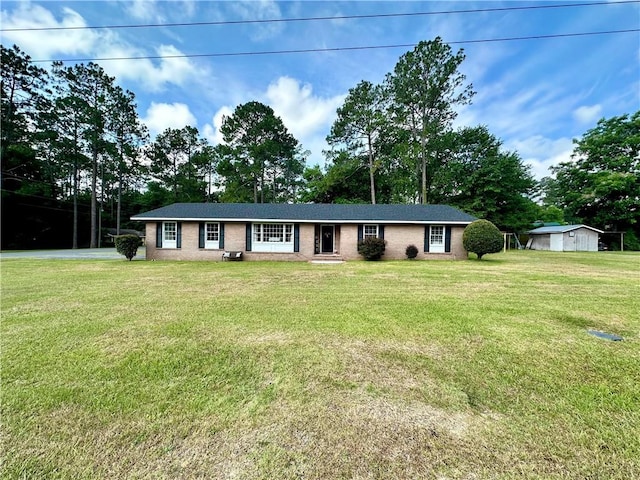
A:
{"x":241,"y":370}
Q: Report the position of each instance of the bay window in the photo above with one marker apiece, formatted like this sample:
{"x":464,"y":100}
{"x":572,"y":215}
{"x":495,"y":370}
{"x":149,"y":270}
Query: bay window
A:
{"x":272,"y":237}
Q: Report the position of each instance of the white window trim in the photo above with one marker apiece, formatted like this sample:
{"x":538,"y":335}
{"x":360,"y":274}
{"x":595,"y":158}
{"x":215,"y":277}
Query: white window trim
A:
{"x":169,"y":243}
{"x":272,"y":246}
{"x":211,"y":244}
{"x":364,"y":231}
{"x":436,"y":247}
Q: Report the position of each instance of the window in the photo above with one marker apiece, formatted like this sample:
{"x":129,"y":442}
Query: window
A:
{"x":170,"y":235}
{"x":370,"y":231}
{"x":212,"y":235}
{"x":272,"y":237}
{"x":212,"y":232}
{"x":436,"y":239}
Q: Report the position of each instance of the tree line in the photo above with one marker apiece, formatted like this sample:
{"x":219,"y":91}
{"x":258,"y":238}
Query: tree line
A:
{"x":77,"y":161}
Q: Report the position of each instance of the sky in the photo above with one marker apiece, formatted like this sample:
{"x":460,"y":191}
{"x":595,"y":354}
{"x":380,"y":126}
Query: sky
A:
{"x":536,"y":95}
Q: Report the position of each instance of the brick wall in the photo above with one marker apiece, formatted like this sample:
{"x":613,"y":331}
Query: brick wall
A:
{"x":398,"y":237}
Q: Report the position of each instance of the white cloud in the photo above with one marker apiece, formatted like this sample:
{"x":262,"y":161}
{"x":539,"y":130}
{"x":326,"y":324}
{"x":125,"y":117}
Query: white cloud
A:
{"x":259,"y":10}
{"x":188,"y":7}
{"x":144,"y":10}
{"x":152,"y":75}
{"x":212,"y":132}
{"x":47,"y":43}
{"x":541,"y":153}
{"x":152,"y":10}
{"x":303,"y":113}
{"x":307,"y":116}
{"x":586,"y":114}
{"x":161,"y":116}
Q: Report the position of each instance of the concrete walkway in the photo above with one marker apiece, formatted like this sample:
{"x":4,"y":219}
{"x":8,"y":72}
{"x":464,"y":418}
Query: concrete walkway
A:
{"x":78,"y":254}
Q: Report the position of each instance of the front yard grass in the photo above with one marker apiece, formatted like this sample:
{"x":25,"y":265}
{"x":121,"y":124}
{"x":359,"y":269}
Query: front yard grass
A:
{"x":252,"y":370}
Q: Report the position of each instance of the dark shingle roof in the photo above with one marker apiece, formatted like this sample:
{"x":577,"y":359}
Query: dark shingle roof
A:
{"x":305,"y":212}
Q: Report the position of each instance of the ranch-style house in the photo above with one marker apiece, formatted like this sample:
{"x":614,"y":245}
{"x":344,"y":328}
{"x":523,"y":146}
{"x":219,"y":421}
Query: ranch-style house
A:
{"x":303,"y":232}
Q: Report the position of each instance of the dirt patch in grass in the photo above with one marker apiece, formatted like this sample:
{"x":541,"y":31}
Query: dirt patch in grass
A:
{"x":340,"y":436}
{"x":349,"y":437}
{"x":365,"y":368}
{"x":356,"y":436}
{"x":267,"y":338}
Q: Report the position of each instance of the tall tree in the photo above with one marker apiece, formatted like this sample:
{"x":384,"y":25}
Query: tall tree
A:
{"x":208,"y":158}
{"x":177,"y":162}
{"x":64,"y":125}
{"x":360,"y":120}
{"x":23,"y":94}
{"x":128,"y":136}
{"x":345,"y":181}
{"x":484,"y":180}
{"x":92,"y":91}
{"x":31,"y":211}
{"x":287,"y":176}
{"x":601,"y":185}
{"x":425,"y":88}
{"x":260,"y":158}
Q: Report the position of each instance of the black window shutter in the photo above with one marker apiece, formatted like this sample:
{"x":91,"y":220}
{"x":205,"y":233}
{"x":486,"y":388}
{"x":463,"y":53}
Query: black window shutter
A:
{"x":360,"y":233}
{"x":159,"y":235}
{"x":426,"y":238}
{"x":296,"y":238}
{"x":447,"y":239}
{"x":221,"y":236}
{"x":381,"y":231}
{"x":179,"y":240}
{"x":317,"y":239}
{"x":201,"y":235}
{"x":248,"y":235}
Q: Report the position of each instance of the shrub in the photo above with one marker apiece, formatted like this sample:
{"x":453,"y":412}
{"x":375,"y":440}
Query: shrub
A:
{"x":371,"y":248}
{"x":482,"y":237}
{"x":411,"y":252}
{"x":127,"y":245}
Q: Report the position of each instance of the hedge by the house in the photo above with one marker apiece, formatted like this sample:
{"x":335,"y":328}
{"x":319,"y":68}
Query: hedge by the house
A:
{"x":372,"y":248}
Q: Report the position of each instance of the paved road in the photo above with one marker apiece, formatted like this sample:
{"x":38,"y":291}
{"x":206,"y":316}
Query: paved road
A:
{"x":79,"y":254}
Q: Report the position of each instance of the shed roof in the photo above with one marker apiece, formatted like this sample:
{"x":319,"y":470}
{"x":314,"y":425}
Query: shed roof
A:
{"x":560,"y":229}
{"x":308,"y":213}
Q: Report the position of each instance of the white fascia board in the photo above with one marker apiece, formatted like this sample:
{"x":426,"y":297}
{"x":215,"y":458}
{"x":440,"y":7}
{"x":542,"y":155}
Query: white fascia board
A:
{"x":571,"y":228}
{"x":589,"y":228}
{"x":286,"y":220}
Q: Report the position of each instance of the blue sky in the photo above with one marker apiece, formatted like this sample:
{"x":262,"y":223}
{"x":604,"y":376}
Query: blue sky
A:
{"x":535,"y":95}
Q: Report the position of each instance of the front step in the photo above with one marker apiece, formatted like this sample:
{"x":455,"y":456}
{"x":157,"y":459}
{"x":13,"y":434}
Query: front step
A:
{"x":327,"y":259}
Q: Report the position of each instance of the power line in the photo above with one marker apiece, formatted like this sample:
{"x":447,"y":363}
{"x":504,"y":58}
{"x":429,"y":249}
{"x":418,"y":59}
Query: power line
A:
{"x":53,"y":199}
{"x":308,"y":19}
{"x":336,"y":49}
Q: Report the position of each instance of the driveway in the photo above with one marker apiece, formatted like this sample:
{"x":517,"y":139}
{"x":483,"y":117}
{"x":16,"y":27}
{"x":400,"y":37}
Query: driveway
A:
{"x":78,"y":254}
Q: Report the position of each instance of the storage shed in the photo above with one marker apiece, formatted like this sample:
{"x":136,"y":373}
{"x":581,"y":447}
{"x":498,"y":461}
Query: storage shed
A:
{"x":564,"y":238}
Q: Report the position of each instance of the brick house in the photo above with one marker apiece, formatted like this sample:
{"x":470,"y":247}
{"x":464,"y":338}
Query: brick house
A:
{"x":303,"y":232}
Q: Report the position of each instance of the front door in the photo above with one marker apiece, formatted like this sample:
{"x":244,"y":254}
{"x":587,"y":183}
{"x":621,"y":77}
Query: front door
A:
{"x":326,"y":238}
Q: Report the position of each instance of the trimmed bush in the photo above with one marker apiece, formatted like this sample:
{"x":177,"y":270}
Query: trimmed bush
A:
{"x":411,"y":252}
{"x":127,"y":245}
{"x":482,"y":237}
{"x":371,"y":248}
